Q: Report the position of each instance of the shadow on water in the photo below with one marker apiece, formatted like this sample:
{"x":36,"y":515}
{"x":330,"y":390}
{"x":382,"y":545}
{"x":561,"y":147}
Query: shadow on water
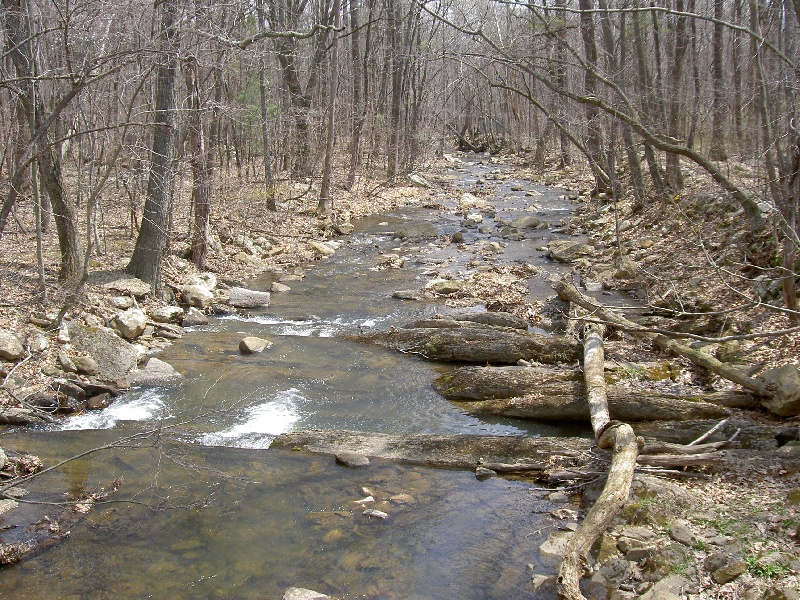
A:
{"x":236,"y":520}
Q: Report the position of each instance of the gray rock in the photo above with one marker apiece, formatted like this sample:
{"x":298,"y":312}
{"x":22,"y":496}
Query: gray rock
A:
{"x":345,"y":228}
{"x":419,"y":181}
{"x":129,"y":324}
{"x":86,"y":365}
{"x":99,"y":402}
{"x":194,"y":317}
{"x":680,"y":532}
{"x":552,"y":549}
{"x":37,"y":343}
{"x":114,"y":356}
{"x":528,"y":222}
{"x":321,"y":248}
{"x":351,"y":459}
{"x":122,"y":302}
{"x":568,"y":250}
{"x":781,"y":592}
{"x":199,"y":296}
{"x":416,"y":231}
{"x":253,"y":345}
{"x":470,"y":201}
{"x":278,"y":287}
{"x":207,"y":280}
{"x":785,"y":402}
{"x":615,"y":571}
{"x":472,"y":220}
{"x":167,"y":314}
{"x":3,"y":459}
{"x":729,"y":572}
{"x":10,"y":347}
{"x":121,"y":283}
{"x":66,"y":363}
{"x":18,"y":416}
{"x":663,"y":562}
{"x":374,"y":512}
{"x":244,"y":298}
{"x":155,"y":372}
{"x":446,"y":286}
{"x":303,"y":594}
{"x":407,"y":295}
{"x":628,"y":269}
{"x":539,"y":581}
{"x":483,"y":473}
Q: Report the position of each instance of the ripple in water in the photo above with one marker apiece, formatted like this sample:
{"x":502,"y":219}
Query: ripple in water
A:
{"x":262,"y":423}
{"x":144,"y":407}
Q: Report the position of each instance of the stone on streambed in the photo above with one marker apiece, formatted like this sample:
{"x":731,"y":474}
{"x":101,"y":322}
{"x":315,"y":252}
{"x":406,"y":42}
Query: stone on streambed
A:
{"x":114,"y":356}
{"x":566,"y":251}
{"x":155,"y":372}
{"x":244,"y":298}
{"x":321,"y":248}
{"x":197,"y":295}
{"x":529,"y":222}
{"x":351,"y":459}
{"x":296,"y":593}
{"x":194,"y":317}
{"x":253,"y":345}
{"x":167,"y":314}
{"x":10,"y":347}
{"x":277,"y":287}
{"x":415,"y":231}
{"x":446,"y":286}
{"x":554,"y":547}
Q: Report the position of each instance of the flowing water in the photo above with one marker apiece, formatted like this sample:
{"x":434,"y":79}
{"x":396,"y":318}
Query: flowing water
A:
{"x":237,"y":520}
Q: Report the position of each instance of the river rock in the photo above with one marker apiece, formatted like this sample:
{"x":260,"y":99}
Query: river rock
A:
{"x":351,"y":459}
{"x":482,"y":473}
{"x":663,"y":562}
{"x":628,"y":269}
{"x":253,"y":345}
{"x":114,"y":356}
{"x":528,"y":222}
{"x":321,"y":248}
{"x":470,"y":201}
{"x":194,"y":317}
{"x":374,"y":512}
{"x":553,"y":548}
{"x":86,"y":365}
{"x":415,"y":231}
{"x":167,"y":314}
{"x":99,"y":402}
{"x":568,"y":250}
{"x":37,"y":343}
{"x":207,"y":280}
{"x":472,"y":220}
{"x":419,"y":181}
{"x":407,"y":295}
{"x":10,"y":347}
{"x":244,"y":298}
{"x":671,"y":587}
{"x":3,"y":459}
{"x":446,"y":286}
{"x":129,"y":324}
{"x":278,"y":288}
{"x":18,"y":416}
{"x":197,"y":295}
{"x":303,"y":594}
{"x":155,"y":372}
{"x":785,"y":401}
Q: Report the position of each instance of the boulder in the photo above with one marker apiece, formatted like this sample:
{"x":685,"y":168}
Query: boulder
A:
{"x":446,"y":286}
{"x":407,"y":295}
{"x":197,"y":295}
{"x":321,"y":248}
{"x":99,"y":402}
{"x":568,"y":250}
{"x":419,"y":181}
{"x":18,"y":416}
{"x":129,"y":324}
{"x":167,"y":314}
{"x":554,"y":547}
{"x":351,"y":459}
{"x":785,"y":380}
{"x":122,"y":302}
{"x":680,"y":532}
{"x":416,"y":231}
{"x":10,"y":347}
{"x":121,"y":283}
{"x":194,"y":317}
{"x":114,"y":356}
{"x":345,"y":228}
{"x":471,"y":202}
{"x":207,"y":280}
{"x":244,"y":298}
{"x":253,"y":345}
{"x":528,"y":222}
{"x":155,"y":372}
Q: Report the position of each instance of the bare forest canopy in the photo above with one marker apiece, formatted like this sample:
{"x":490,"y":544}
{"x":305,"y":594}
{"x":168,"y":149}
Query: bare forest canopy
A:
{"x":123,"y":95}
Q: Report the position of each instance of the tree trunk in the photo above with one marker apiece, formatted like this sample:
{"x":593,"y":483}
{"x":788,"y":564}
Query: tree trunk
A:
{"x":674,"y":175}
{"x":324,"y":204}
{"x":718,"y":109}
{"x":148,"y":253}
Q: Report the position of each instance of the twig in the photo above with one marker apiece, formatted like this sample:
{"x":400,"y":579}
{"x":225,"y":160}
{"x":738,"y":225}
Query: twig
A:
{"x":710,"y":432}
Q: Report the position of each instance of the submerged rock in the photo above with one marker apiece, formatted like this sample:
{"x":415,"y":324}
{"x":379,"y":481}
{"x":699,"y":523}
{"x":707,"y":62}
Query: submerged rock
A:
{"x":303,"y":594}
{"x":351,"y":459}
{"x":416,"y":231}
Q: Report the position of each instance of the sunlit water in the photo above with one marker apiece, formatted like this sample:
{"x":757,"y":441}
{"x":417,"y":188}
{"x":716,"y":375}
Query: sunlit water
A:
{"x":217,"y":515}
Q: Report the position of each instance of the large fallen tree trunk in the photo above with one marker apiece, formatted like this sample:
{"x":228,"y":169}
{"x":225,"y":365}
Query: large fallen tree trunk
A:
{"x":609,"y":434}
{"x":570,"y":293}
{"x":475,"y":345}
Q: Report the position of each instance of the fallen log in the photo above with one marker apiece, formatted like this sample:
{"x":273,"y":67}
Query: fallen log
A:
{"x":670,"y":461}
{"x":564,"y":402}
{"x":491,"y":383}
{"x":609,"y":434}
{"x":570,"y":293}
{"x":486,"y":319}
{"x":475,"y":344}
{"x":665,"y":447}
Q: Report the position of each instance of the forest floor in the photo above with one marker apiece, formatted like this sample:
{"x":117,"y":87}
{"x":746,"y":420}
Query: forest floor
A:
{"x":690,"y":253}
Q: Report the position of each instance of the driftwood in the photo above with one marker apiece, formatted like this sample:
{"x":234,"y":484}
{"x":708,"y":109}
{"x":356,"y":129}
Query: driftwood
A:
{"x":570,"y":293}
{"x":475,"y":344}
{"x":491,"y":383}
{"x":609,"y":434}
{"x":566,"y":402}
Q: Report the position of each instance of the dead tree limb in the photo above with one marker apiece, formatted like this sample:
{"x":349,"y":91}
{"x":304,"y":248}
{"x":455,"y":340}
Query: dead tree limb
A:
{"x":625,"y":449}
{"x":569,"y":292}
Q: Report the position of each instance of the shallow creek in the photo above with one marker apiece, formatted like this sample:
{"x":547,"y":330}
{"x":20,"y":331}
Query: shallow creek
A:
{"x":243,"y":521}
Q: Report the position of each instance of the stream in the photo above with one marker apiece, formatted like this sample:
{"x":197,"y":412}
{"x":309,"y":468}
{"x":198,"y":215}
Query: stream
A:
{"x":238,"y":520}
